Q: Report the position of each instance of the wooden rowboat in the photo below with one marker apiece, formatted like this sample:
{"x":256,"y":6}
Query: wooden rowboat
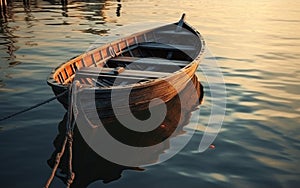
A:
{"x":156,"y":63}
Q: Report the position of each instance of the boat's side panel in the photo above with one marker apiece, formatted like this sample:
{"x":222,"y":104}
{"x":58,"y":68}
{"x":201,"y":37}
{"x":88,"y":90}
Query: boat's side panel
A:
{"x":172,"y":120}
{"x":140,"y":95}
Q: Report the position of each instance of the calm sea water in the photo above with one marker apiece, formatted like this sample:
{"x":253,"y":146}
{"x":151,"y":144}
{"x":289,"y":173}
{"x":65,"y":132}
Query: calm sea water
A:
{"x":256,"y":45}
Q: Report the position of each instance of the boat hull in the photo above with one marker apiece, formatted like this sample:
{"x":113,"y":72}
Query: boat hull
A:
{"x":189,"y":50}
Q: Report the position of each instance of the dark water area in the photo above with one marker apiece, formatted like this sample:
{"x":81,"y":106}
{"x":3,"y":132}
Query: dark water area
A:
{"x":255,"y":44}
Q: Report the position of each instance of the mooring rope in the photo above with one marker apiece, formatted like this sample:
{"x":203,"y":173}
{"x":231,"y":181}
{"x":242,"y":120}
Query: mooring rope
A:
{"x":71,"y":175}
{"x":57,"y":161}
{"x":34,"y":106}
{"x":68,"y":138}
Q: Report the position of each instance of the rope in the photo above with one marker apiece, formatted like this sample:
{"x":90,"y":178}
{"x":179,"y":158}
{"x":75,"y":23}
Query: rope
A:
{"x":69,"y":133}
{"x":57,"y":161}
{"x":68,"y":139}
{"x":71,"y":175}
{"x":34,"y":106}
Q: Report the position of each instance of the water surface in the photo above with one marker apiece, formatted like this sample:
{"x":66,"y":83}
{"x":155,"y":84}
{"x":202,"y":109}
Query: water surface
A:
{"x":256,"y":45}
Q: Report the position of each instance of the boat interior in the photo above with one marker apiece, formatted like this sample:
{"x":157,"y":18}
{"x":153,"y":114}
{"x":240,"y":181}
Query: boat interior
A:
{"x":138,"y":58}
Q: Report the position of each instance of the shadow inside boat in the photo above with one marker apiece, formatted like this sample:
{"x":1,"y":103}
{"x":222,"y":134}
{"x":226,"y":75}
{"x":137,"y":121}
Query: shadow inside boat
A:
{"x":89,"y":167}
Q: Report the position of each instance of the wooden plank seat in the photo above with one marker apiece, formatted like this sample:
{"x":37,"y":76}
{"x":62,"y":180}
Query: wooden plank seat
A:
{"x":107,"y":76}
{"x":126,"y":72}
{"x":146,"y":61}
{"x":104,"y":80}
{"x":167,"y":47}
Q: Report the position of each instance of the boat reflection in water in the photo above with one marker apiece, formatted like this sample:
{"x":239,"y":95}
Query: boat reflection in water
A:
{"x":89,"y":167}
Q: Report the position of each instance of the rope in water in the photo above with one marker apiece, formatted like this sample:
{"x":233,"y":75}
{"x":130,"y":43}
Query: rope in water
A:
{"x":34,"y":106}
{"x":71,"y":175}
{"x":68,"y":139}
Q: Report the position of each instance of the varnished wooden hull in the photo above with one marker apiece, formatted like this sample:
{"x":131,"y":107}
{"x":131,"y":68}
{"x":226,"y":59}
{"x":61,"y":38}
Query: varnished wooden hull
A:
{"x":167,"y":81}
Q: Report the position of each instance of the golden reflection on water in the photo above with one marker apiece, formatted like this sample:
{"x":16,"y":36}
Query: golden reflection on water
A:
{"x":275,"y":113}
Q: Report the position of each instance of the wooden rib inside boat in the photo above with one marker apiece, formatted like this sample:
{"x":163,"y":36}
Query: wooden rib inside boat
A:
{"x":155,"y":63}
